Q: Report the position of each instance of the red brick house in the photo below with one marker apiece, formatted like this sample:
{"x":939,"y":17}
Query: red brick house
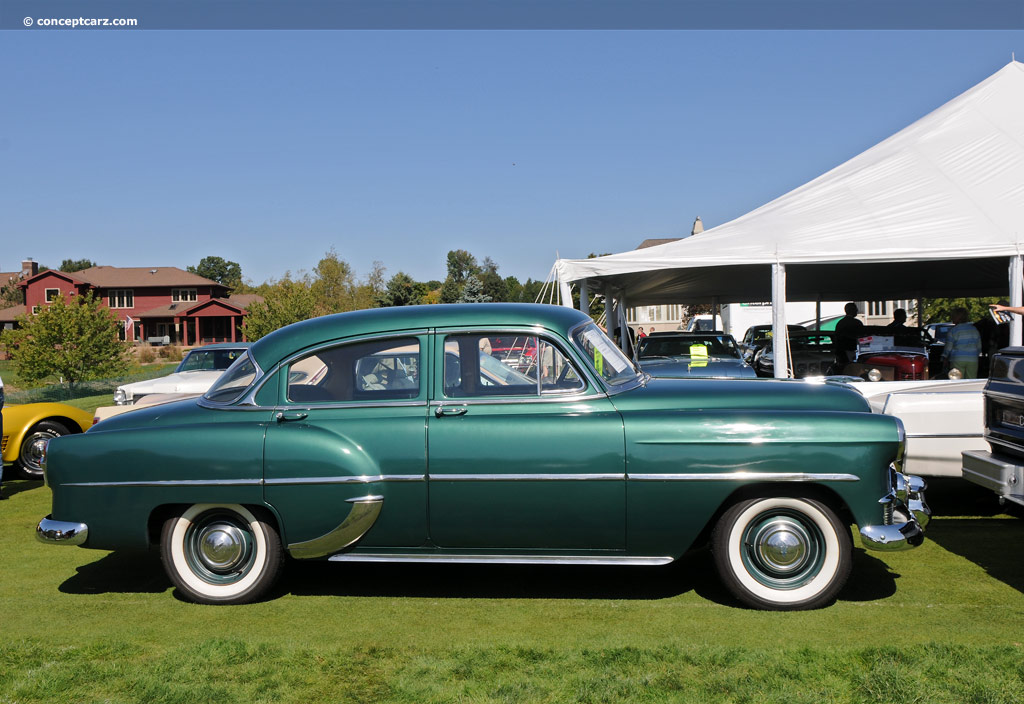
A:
{"x":165,"y":304}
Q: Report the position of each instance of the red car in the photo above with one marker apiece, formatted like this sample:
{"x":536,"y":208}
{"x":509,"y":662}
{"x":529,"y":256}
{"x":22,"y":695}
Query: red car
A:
{"x":888,"y":354}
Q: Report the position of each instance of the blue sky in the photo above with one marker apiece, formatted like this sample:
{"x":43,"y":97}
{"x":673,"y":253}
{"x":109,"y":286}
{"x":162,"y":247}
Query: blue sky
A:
{"x":269,"y":147}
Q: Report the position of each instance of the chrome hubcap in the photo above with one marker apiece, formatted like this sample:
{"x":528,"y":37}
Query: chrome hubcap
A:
{"x":33,"y":451}
{"x":781,"y":550}
{"x":221,"y":547}
{"x":782,"y":546}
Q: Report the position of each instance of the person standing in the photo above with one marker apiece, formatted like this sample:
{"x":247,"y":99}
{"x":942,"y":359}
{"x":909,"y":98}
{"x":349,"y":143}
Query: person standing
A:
{"x":848,"y":330}
{"x":899,"y":320}
{"x":641,"y":332}
{"x":963,"y":345}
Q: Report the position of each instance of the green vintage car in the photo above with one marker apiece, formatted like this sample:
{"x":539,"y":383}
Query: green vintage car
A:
{"x":402,"y":435}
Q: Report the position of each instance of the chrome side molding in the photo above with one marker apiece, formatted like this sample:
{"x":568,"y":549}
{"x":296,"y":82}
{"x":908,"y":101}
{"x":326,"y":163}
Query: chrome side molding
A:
{"x":504,"y":559}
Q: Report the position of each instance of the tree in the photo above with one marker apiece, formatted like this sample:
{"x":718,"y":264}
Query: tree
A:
{"x":71,"y":265}
{"x":11,"y":295}
{"x":940,"y":310}
{"x":333,"y":284}
{"x":220,"y":270}
{"x":284,"y":302}
{"x":402,"y":290}
{"x":76,"y":340}
{"x":473,"y":291}
{"x":494,"y":285}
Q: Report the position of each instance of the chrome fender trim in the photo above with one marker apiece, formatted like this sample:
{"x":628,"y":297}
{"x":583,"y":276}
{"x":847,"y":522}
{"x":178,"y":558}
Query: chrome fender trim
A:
{"x":360,"y":519}
{"x":61,"y":532}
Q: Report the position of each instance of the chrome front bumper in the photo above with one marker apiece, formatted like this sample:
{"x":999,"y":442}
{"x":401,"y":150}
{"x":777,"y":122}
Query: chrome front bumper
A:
{"x":907,"y":515}
{"x":61,"y":532}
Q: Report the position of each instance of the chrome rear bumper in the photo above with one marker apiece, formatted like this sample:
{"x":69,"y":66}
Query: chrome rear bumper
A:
{"x":61,"y":532}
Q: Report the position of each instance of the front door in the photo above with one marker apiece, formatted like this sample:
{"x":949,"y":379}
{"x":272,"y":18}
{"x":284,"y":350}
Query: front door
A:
{"x":350,"y":430}
{"x":524,"y":453}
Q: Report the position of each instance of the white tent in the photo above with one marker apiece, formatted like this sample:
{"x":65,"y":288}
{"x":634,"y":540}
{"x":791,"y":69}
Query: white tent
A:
{"x":935,"y":210}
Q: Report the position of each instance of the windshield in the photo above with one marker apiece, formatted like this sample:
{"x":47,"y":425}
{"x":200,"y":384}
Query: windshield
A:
{"x":207,"y":360}
{"x":604,"y":357}
{"x":233,"y":383}
{"x":695,"y":346}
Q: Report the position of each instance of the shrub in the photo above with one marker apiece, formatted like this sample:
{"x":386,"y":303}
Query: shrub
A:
{"x":147,"y":355}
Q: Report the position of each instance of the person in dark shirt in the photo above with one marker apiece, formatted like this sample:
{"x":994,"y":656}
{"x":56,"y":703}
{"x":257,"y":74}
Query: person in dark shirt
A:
{"x":848,"y":330}
{"x":899,"y":320}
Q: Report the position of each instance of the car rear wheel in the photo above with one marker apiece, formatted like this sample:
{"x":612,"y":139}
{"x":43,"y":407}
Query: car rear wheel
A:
{"x":782,"y":553}
{"x":30,"y":456}
{"x":221,"y":554}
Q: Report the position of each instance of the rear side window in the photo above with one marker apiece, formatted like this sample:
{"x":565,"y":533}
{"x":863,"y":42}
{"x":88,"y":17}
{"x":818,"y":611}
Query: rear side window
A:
{"x":373,"y":370}
{"x":480,"y":365}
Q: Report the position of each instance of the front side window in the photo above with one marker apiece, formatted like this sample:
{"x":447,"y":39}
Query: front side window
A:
{"x":233,"y":383}
{"x":51,"y":294}
{"x":372,"y":370}
{"x":478,"y":365}
{"x":121,"y":298}
{"x":604,"y":357}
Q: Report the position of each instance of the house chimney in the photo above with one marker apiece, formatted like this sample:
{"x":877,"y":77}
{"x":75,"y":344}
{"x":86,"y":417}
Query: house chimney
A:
{"x":698,"y":227}
{"x":29,"y":268}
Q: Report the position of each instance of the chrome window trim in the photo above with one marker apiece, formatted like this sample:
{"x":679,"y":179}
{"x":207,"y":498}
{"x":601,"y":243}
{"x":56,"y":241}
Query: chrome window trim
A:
{"x":350,"y":404}
{"x":333,"y":343}
{"x":526,"y":477}
{"x":246,"y":397}
{"x":1002,"y":396}
{"x":504,"y":400}
{"x":745,"y":476}
{"x":538,"y":331}
{"x":610,"y":389}
{"x":506,"y":559}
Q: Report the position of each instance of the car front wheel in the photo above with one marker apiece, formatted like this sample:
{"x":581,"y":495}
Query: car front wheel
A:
{"x":221,"y":554}
{"x":32,"y":451}
{"x":782,"y":553}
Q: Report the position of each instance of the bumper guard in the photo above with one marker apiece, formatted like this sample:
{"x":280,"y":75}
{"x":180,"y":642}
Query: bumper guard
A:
{"x":61,"y":532}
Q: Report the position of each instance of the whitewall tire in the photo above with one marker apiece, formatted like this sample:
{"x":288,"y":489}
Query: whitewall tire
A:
{"x":782,"y":553}
{"x":221,"y":554}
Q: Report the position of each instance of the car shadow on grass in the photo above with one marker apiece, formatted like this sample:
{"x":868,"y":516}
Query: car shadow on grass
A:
{"x":970,"y":522}
{"x":16,"y":486}
{"x":121,"y":573}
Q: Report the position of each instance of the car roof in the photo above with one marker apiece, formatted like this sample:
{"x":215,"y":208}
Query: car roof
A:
{"x":274,"y":347}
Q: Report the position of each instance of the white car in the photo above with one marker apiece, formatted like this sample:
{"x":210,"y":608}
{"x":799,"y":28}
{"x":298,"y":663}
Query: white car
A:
{"x":942,"y":419}
{"x":194,"y":375}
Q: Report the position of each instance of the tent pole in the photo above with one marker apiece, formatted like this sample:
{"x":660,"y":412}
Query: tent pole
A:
{"x":609,"y":309}
{"x":1016,"y":290}
{"x":715,"y":314}
{"x":779,"y":337}
{"x":817,"y":314}
{"x":623,"y":325}
{"x":566,"y":292}
{"x":585,"y":296}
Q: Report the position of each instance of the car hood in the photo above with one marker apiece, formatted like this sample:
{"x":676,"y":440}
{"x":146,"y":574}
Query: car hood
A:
{"x":713,"y":368}
{"x":740,"y":394}
{"x":178,"y":383}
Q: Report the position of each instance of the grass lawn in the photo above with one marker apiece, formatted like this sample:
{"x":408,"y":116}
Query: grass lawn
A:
{"x":943,"y":623}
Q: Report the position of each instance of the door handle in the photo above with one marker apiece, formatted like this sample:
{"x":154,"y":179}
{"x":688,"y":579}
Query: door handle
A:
{"x":450,"y":411}
{"x":283,"y":416}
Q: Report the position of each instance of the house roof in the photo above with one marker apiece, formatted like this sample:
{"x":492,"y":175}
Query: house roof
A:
{"x":7,"y":315}
{"x":655,"y":242}
{"x":172,"y":310}
{"x":107,"y":276}
{"x":130,"y":277}
{"x":6,"y":276}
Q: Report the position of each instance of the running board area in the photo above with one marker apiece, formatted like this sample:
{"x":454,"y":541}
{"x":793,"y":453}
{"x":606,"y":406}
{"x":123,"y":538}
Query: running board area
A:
{"x":504,"y":559}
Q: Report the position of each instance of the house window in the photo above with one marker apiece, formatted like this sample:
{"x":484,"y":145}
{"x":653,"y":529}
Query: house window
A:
{"x":121,"y":298}
{"x":878,"y":307}
{"x":35,"y":310}
{"x":52,"y":294}
{"x":182,"y":295}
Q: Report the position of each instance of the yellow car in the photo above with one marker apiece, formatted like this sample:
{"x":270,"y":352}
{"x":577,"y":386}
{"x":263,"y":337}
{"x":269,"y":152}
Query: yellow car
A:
{"x":29,"y":426}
